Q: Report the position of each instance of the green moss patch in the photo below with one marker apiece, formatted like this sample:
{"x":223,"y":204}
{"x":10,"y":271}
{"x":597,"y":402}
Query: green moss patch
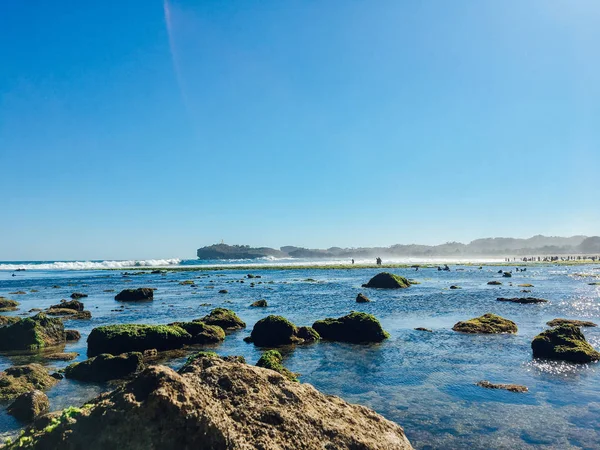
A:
{"x":386,"y":280}
{"x":224,"y":318}
{"x":486,"y":324}
{"x":565,"y":342}
{"x":356,"y":327}
{"x":272,"y":360}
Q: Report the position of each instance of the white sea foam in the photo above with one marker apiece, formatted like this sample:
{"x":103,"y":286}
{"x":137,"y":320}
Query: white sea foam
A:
{"x":91,"y":265}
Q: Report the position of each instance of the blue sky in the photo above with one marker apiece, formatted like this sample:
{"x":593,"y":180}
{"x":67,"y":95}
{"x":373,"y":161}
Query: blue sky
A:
{"x":146,"y":129}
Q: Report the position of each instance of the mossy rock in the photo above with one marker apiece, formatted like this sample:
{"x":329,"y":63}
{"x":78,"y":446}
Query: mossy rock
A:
{"x":308,"y":334}
{"x":105,"y":367}
{"x":69,"y":356}
{"x":74,"y":305}
{"x":135,"y":295}
{"x":29,"y":405}
{"x":565,"y":343}
{"x":224,"y":318}
{"x":360,"y":298}
{"x":356,"y":327}
{"x":32,"y":333}
{"x":272,"y":360}
{"x":78,"y":295}
{"x":260,"y":304}
{"x":486,"y":324}
{"x":69,"y":314}
{"x":577,"y":323}
{"x":72,"y":335}
{"x":386,"y":280}
{"x":17,"y":380}
{"x":8,"y":305}
{"x":526,"y":285}
{"x":195,"y":357}
{"x":116,"y":339}
{"x":202,"y":333}
{"x":273,"y":331}
{"x":8,"y":320}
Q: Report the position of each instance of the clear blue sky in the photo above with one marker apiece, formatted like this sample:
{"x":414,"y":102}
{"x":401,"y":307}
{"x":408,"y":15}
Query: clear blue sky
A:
{"x":140,"y":129}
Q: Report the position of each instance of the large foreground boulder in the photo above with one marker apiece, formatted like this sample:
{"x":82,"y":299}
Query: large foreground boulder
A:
{"x":356,"y":327}
{"x":566,"y":343}
{"x":201,"y":408}
{"x":224,"y":318}
{"x":116,"y":339}
{"x":106,"y":367}
{"x":17,"y":380}
{"x":29,"y":405}
{"x":32,"y":333}
{"x":135,"y":295}
{"x":486,"y":324}
{"x":386,"y":280}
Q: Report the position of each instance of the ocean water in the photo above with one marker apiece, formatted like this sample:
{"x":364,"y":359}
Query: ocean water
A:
{"x":423,"y":381}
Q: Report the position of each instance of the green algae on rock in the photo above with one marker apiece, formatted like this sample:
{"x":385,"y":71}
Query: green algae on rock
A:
{"x":75,"y":305}
{"x":356,"y":327}
{"x":224,"y":318}
{"x":308,"y":334}
{"x":507,"y":387}
{"x":386,"y":280}
{"x":8,"y":320}
{"x":577,"y":323}
{"x":116,"y":339}
{"x":272,"y":359}
{"x":105,"y":367}
{"x":566,"y":343}
{"x":17,"y":380}
{"x":486,"y":324}
{"x":273,"y":331}
{"x":32,"y":333}
{"x":202,"y":333}
{"x":8,"y":305}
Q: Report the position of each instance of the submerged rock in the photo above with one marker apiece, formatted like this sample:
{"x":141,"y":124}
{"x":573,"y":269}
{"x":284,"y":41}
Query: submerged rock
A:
{"x":224,"y":318}
{"x":507,"y":274}
{"x":508,"y":387}
{"x":486,"y":324}
{"x":386,"y":280}
{"x":360,"y":298}
{"x":116,"y":339}
{"x":32,"y":333}
{"x":69,"y":314}
{"x":566,"y":343}
{"x":77,"y":295}
{"x":524,"y":300}
{"x":455,"y":287}
{"x":494,"y":283}
{"x":8,"y":305}
{"x":577,"y":323}
{"x":272,"y":359}
{"x":273,"y":331}
{"x":17,"y":380}
{"x":217,"y":404}
{"x":135,"y":295}
{"x":260,"y":304}
{"x":106,"y":367}
{"x":29,"y":405}
{"x":202,"y":333}
{"x":356,"y":327}
{"x":423,"y":329}
{"x":61,"y":356}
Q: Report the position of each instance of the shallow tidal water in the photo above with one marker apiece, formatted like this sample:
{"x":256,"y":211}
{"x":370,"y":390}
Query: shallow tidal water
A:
{"x":423,"y":381}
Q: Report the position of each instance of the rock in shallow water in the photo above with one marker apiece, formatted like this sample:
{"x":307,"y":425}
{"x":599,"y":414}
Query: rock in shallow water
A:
{"x":106,"y":367}
{"x":135,"y":295}
{"x":577,"y":323}
{"x":17,"y":380}
{"x":356,"y":327}
{"x":566,"y":343}
{"x":199,"y":408}
{"x":386,"y":280}
{"x":508,"y":387}
{"x":224,"y":318}
{"x":524,"y":300}
{"x":486,"y":324}
{"x":29,"y":405}
{"x":32,"y":333}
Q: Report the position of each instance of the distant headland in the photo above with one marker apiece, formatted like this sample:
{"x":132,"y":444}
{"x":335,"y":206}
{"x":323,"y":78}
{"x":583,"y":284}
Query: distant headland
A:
{"x":498,"y":247}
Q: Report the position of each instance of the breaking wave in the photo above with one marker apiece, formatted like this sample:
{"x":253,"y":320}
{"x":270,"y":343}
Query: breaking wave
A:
{"x":90,"y":265}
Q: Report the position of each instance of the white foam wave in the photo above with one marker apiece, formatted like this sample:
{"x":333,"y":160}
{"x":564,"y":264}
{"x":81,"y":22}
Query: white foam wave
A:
{"x":91,"y":265}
